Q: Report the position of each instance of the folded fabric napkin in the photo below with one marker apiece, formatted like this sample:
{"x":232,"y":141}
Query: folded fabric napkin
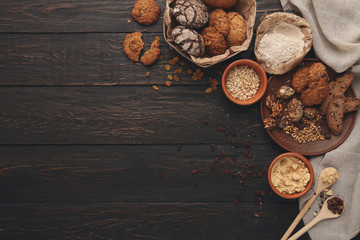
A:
{"x":336,"y":28}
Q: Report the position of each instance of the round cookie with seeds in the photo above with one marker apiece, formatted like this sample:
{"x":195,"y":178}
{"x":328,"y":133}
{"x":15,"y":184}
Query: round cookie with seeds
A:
{"x":191,"y":13}
{"x":188,"y":40}
{"x":237,"y":32}
{"x":146,"y":12}
{"x":220,"y":20}
{"x":215,"y":43}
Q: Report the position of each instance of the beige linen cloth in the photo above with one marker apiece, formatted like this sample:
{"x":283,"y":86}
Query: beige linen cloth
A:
{"x":336,"y":28}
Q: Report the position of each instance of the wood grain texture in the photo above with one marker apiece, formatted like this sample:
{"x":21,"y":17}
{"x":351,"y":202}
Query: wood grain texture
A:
{"x":87,"y":59}
{"x":171,"y":221}
{"x":123,"y":115}
{"x":133,"y":173}
{"x":83,"y":16}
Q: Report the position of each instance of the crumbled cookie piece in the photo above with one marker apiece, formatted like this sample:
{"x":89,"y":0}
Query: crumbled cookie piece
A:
{"x":153,"y":54}
{"x":133,"y":45}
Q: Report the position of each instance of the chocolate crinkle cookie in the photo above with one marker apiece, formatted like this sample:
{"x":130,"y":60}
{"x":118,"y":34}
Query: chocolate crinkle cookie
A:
{"x":191,"y":13}
{"x":146,"y":12}
{"x":189,"y":41}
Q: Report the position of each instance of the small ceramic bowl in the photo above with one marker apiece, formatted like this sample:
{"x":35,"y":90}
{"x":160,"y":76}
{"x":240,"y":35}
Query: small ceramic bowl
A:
{"x":308,"y":186}
{"x":260,"y":72}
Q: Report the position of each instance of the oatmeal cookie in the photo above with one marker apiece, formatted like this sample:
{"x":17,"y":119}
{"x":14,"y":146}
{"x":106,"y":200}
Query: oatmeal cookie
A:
{"x":133,"y":45}
{"x":315,"y":94}
{"x":214,"y":42}
{"x":237,"y":32}
{"x":312,"y":83}
{"x":146,"y":12}
{"x":300,"y":79}
{"x":153,"y":54}
{"x":220,"y":3}
{"x":318,"y":72}
{"x":220,"y":20}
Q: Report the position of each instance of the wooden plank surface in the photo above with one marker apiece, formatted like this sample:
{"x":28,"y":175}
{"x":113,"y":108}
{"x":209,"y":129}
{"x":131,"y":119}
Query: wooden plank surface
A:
{"x":91,"y":59}
{"x":134,"y":173}
{"x":88,"y":150}
{"x":123,"y":115}
{"x":84,"y":16}
{"x":144,"y":221}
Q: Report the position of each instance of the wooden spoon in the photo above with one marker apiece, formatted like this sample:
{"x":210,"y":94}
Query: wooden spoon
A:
{"x":321,"y":186}
{"x":324,"y":213}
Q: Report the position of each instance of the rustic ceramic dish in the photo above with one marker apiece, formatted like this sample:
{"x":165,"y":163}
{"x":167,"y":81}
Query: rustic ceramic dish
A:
{"x":310,"y":148}
{"x":260,"y":72}
{"x":308,"y":165}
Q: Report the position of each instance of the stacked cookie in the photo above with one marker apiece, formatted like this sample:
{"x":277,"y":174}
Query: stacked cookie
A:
{"x":312,"y":85}
{"x":203,"y":32}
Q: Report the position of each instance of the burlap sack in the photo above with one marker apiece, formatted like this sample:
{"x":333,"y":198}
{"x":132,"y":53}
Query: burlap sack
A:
{"x":268,"y":22}
{"x":247,"y":9}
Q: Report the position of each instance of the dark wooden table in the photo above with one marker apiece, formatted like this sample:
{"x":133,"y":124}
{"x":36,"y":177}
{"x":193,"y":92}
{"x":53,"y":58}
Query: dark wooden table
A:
{"x":90,"y":151}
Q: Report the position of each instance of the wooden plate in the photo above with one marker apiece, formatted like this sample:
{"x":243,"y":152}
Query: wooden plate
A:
{"x":310,"y":148}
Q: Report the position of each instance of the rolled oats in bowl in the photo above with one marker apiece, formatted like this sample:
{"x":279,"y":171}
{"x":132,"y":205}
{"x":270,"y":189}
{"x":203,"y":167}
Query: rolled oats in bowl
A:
{"x":242,"y":82}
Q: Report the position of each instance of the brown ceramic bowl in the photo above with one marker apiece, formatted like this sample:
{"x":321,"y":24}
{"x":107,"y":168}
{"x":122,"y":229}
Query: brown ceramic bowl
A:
{"x":260,"y":72}
{"x":308,"y":186}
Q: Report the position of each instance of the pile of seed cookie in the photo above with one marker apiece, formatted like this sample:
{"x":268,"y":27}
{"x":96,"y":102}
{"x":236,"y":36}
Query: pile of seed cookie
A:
{"x":224,"y":29}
